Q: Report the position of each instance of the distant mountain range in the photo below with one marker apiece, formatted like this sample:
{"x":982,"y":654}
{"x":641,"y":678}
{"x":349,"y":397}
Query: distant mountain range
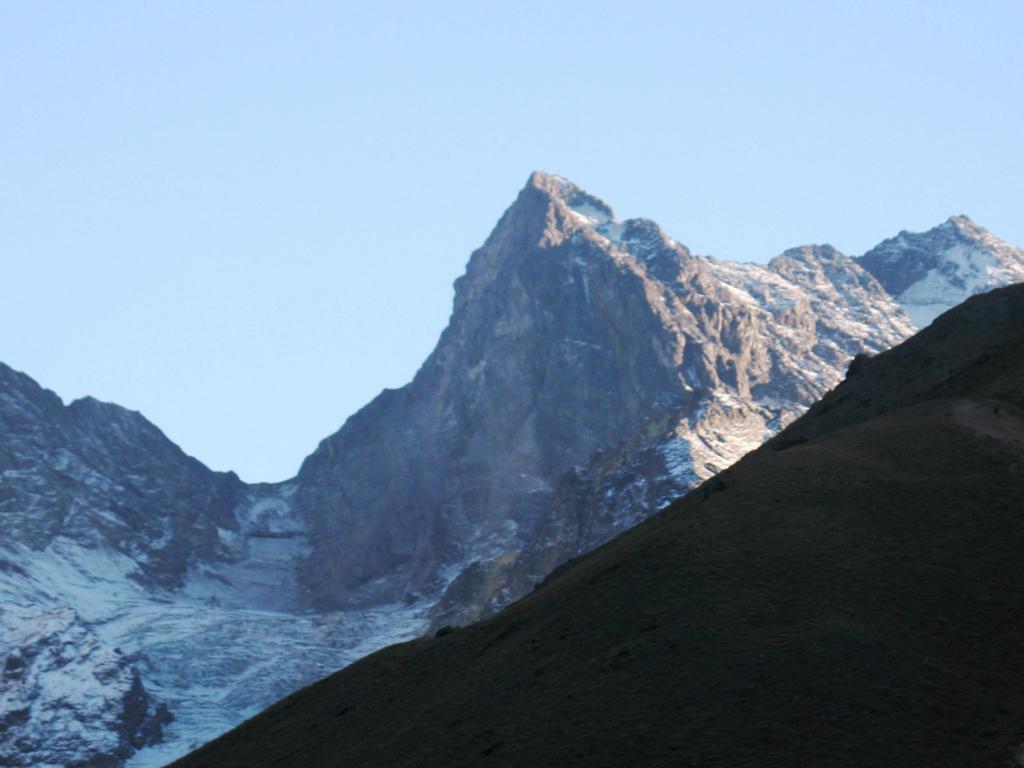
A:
{"x":592,"y":372}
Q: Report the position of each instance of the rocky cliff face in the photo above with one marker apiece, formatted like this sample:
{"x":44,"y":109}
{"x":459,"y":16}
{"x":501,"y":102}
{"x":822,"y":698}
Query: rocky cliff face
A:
{"x":559,"y":344}
{"x":555,"y":349}
{"x":106,"y":478}
{"x":763,"y":341}
{"x":570,"y":331}
{"x":809,"y":311}
{"x":592,"y":371}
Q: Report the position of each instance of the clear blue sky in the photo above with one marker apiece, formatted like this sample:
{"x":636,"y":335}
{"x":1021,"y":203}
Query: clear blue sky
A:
{"x":244,"y":218}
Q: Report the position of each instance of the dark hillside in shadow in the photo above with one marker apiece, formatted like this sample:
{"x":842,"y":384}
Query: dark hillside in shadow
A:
{"x":848,"y":595}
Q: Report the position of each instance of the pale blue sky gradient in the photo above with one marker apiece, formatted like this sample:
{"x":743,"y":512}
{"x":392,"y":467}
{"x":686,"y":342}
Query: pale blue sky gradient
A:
{"x":244,"y":218}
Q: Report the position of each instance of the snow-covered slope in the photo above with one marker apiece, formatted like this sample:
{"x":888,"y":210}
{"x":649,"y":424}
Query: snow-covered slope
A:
{"x":67,"y":698}
{"x":929,"y":272}
{"x":136,"y":585}
{"x":108,"y":660}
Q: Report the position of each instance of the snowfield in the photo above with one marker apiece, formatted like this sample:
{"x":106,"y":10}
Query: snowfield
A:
{"x":212,"y":660}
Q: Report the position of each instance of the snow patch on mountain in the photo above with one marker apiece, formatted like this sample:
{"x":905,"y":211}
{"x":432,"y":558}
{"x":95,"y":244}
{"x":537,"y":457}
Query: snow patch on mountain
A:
{"x":215,"y":667}
{"x":930,"y":272}
{"x":68,"y":698}
{"x":235,"y":638}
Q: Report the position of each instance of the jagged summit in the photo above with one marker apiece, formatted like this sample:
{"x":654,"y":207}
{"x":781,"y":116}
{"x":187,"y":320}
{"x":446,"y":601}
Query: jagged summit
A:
{"x":573,"y":196}
{"x":809,"y":253}
{"x":13,"y":380}
{"x":959,"y":226}
{"x":110,"y":412}
{"x":961,"y":219}
{"x":561,"y":209}
{"x":928,"y":272}
{"x":573,"y":210}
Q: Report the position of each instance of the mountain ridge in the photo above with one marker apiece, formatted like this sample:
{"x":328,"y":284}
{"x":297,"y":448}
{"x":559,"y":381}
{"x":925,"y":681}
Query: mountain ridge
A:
{"x":929,"y":271}
{"x":832,"y":599}
{"x":593,"y":370}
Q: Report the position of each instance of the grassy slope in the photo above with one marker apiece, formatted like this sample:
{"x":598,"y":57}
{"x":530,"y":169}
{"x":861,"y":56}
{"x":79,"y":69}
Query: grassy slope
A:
{"x":852,"y":599}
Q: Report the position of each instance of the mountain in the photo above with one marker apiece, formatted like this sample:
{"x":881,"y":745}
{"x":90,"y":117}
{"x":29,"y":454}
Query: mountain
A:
{"x":783,"y":334}
{"x":844,"y":595}
{"x":817,"y":308}
{"x":137,"y":585}
{"x":570,"y":331}
{"x":931,"y":271}
{"x":593,"y":370}
{"x":107,"y":478}
{"x":100,"y":479}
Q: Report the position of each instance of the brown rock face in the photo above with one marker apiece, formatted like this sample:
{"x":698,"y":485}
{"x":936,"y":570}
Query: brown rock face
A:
{"x":553,"y":351}
{"x":570,"y":332}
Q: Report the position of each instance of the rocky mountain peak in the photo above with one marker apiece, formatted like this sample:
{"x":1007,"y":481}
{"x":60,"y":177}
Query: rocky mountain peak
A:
{"x":928,"y":272}
{"x":550,"y":209}
{"x":115,"y":425}
{"x":804,"y":260}
{"x":570,"y":331}
{"x":539,"y":367}
{"x":962,"y":222}
{"x":561,"y":190}
{"x":811,"y":253}
{"x":822,"y":269}
{"x":21,"y":399}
